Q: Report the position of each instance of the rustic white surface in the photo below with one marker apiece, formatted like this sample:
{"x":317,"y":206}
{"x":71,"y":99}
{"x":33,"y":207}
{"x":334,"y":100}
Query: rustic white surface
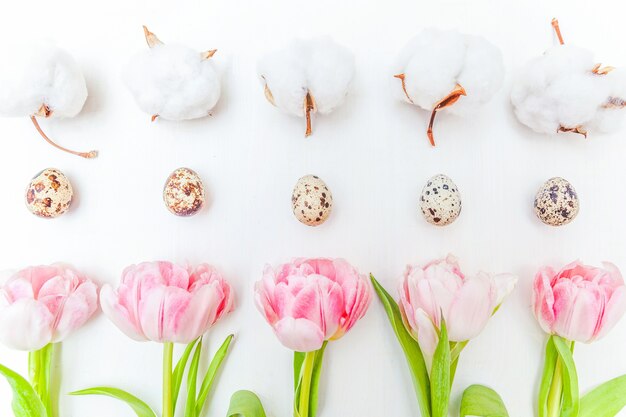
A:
{"x":374,"y":155}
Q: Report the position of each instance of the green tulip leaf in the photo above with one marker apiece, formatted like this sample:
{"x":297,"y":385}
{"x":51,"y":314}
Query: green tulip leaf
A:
{"x":605,"y":400}
{"x":245,"y":404}
{"x":192,"y":378}
{"x":481,"y":401}
{"x":298,"y":359}
{"x":315,"y":379}
{"x":139,"y":407}
{"x":440,"y":375}
{"x":211,"y":373}
{"x":455,"y":353}
{"x":546,"y":379}
{"x":571,"y":401}
{"x":26,"y":402}
{"x":179,"y":370}
{"x":412,"y":351}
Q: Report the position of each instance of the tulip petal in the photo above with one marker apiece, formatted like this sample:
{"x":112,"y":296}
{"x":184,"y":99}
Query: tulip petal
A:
{"x":263,"y":303}
{"x":187,"y":317}
{"x":26,"y":325}
{"x":578,"y":311}
{"x":543,"y":299}
{"x":427,"y":336}
{"x":471,"y":309}
{"x":300,"y":335}
{"x":152,"y":312}
{"x":505,"y":284}
{"x":77,"y":308}
{"x":613,"y":312}
{"x":118,"y":314}
{"x":359,"y":306}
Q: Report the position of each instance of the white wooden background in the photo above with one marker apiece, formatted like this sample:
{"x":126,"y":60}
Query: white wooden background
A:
{"x":372,"y":153}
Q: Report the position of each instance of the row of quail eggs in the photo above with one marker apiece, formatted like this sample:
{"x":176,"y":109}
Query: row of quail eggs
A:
{"x":50,"y":194}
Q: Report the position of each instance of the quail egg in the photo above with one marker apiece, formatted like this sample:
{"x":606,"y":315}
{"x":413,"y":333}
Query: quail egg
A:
{"x":440,"y":201}
{"x":311,"y":200}
{"x":556,"y":202}
{"x":183,"y":193}
{"x":49,"y":193}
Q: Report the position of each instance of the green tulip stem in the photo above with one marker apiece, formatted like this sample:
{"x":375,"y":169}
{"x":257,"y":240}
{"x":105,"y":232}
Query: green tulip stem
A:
{"x":305,"y":391}
{"x":39,"y":371}
{"x":168,"y":353}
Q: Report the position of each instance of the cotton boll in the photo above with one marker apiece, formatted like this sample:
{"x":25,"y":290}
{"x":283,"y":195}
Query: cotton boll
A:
{"x":42,"y":81}
{"x":37,"y":76}
{"x":482,"y":75}
{"x":440,"y":68}
{"x":564,"y":90}
{"x":307,"y":76}
{"x":173,"y":82}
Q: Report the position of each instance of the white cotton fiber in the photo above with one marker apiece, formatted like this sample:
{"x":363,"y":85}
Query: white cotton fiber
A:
{"x":435,"y":61}
{"x":560,"y":91}
{"x":40,"y":75}
{"x":319,"y":66}
{"x":173,"y":82}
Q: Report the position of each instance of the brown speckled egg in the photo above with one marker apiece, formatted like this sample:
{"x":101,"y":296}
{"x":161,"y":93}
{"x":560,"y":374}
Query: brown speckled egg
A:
{"x":183,"y":192}
{"x":556,"y":202}
{"x":440,"y":201}
{"x":311,"y":201}
{"x":49,"y":194}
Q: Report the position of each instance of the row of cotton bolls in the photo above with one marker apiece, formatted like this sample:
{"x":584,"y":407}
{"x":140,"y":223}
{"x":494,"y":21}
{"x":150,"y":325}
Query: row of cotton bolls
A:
{"x":563,"y":90}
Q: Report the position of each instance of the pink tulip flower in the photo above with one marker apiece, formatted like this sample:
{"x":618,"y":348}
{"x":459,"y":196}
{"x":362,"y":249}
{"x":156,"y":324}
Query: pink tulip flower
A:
{"x":163,"y":302}
{"x":440,"y":290}
{"x":44,"y":304}
{"x":579,"y":303}
{"x":309,"y":301}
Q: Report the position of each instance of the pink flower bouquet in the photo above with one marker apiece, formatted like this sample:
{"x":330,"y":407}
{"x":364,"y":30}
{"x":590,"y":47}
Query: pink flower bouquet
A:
{"x":166,"y":303}
{"x":579,"y":303}
{"x":441,"y":310}
{"x":41,"y":306}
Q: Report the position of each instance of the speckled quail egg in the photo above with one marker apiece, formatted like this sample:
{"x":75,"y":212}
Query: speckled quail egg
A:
{"x":556,"y":202}
{"x":49,"y":193}
{"x":440,"y":200}
{"x":311,"y":200}
{"x":183,"y":192}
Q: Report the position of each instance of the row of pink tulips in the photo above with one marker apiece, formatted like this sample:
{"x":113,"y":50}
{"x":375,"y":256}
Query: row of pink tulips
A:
{"x":308,"y":303}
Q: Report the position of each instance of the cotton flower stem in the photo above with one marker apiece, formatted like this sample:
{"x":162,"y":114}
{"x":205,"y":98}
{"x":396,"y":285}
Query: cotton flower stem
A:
{"x":168,"y":353}
{"x":86,"y":155}
{"x":309,"y":106}
{"x":305,"y":388}
{"x":557,"y":29}
{"x":556,"y":391}
{"x":447,"y":101}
